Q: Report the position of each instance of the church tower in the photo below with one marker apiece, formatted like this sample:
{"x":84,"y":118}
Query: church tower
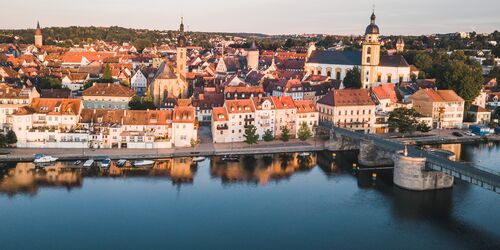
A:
{"x":400,"y":45}
{"x":181,"y":53}
{"x":370,"y":58}
{"x":253,"y":57}
{"x":38,"y":36}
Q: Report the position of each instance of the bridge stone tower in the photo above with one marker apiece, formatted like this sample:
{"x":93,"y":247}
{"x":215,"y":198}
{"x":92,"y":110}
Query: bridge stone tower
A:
{"x":410,"y":173}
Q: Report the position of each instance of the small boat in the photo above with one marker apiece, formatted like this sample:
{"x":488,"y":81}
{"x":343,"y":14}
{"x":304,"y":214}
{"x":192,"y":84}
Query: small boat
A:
{"x":105,"y":163}
{"x":304,"y":154}
{"x":88,"y":163}
{"x":121,"y":162}
{"x":45,"y":159}
{"x":144,"y":163}
{"x":198,"y":159}
{"x":78,"y":162}
{"x":230,"y":158}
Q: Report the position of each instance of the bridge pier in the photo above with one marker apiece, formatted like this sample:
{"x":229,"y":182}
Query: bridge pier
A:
{"x":411,"y":173}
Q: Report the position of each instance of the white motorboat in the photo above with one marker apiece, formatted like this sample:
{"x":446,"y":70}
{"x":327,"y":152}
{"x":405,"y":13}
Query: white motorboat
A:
{"x":45,"y":159}
{"x":304,"y":154}
{"x":105,"y":163}
{"x":78,"y":162}
{"x":198,"y":159}
{"x":121,"y":162}
{"x":88,"y":163}
{"x":144,"y":163}
{"x":230,"y":158}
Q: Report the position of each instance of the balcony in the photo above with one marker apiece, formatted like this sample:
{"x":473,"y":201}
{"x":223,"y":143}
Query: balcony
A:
{"x":222,"y":127}
{"x":250,"y":119}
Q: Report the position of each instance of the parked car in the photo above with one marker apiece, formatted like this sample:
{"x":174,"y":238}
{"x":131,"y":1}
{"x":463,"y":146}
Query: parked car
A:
{"x":457,"y":134}
{"x":469,"y":133}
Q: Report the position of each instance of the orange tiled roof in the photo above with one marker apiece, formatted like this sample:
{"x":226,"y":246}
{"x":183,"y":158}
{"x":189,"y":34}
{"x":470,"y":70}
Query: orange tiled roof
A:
{"x":386,"y":91}
{"x":240,"y":106}
{"x":109,"y":89}
{"x":52,"y":106}
{"x":283,"y":102}
{"x":184,"y":115}
{"x":219,"y":114}
{"x":305,"y":106}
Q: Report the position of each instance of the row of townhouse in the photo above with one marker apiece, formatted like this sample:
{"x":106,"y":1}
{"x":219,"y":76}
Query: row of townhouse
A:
{"x":265,"y":113}
{"x":64,"y":123}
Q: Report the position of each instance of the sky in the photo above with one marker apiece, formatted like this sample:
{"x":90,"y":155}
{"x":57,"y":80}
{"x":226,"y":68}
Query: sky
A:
{"x":343,"y":17}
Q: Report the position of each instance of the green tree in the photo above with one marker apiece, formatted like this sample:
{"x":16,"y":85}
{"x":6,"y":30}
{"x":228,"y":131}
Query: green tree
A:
{"x":352,"y":79}
{"x":423,"y":61}
{"x":423,"y":127}
{"x":107,"y":75}
{"x":464,"y":78}
{"x":138,"y":103}
{"x":304,"y":132}
{"x":251,"y":136}
{"x":3,"y":141}
{"x":268,"y":135}
{"x":11,"y":137}
{"x":285,"y":134}
{"x":50,"y":83}
{"x":403,"y":120}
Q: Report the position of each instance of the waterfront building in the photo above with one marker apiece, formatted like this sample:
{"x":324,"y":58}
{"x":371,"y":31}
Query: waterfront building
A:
{"x":479,"y":114}
{"x":349,"y":108}
{"x":107,"y":96}
{"x":444,"y":106}
{"x":147,"y":129}
{"x":49,"y":123}
{"x":285,"y":115}
{"x":375,"y":68}
{"x":306,"y":113}
{"x":265,"y":115}
{"x":241,"y":114}
{"x":13,"y":98}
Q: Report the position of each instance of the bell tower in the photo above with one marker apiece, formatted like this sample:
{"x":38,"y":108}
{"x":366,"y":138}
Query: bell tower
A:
{"x":370,"y":58}
{"x":38,"y":36}
{"x":181,"y":52}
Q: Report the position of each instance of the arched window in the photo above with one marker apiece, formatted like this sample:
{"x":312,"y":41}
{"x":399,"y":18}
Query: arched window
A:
{"x":369,"y":51}
{"x":389,"y":78}
{"x":319,"y":70}
{"x":379,"y":78}
{"x":337,"y":75}
{"x":329,"y":72}
{"x":368,"y":60}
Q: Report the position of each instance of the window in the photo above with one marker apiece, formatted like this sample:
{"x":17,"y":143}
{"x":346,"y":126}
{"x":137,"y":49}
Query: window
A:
{"x":368,"y":60}
{"x":379,"y":78}
{"x":369,"y":51}
{"x":338,"y":75}
{"x":389,"y":78}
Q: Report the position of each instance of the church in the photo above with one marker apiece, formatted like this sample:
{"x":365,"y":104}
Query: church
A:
{"x":168,"y":82}
{"x":375,"y":68}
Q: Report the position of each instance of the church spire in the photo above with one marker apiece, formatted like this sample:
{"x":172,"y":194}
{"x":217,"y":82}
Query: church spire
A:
{"x":373,"y":17}
{"x":181,"y":28}
{"x":38,"y":24}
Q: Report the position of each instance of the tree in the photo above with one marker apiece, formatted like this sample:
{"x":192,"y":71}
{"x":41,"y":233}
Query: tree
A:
{"x":304,"y":132}
{"x":251,"y":136}
{"x":423,"y":61}
{"x":352,"y":79}
{"x":403,"y":120}
{"x":464,"y":78}
{"x":423,"y":127}
{"x":137,"y":103}
{"x":194,"y":142}
{"x":11,"y":137}
{"x":107,"y":75}
{"x":268,"y":135}
{"x":285,"y":134}
{"x":50,"y":83}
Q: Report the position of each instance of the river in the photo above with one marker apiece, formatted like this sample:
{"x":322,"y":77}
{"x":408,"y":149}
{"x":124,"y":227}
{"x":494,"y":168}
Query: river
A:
{"x":262,"y":202}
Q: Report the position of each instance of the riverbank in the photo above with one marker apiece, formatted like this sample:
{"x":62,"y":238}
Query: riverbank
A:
{"x":204,"y":149}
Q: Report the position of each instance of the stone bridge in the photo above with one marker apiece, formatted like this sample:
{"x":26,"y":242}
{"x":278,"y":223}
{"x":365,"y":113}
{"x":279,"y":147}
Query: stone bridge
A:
{"x":414,"y":169}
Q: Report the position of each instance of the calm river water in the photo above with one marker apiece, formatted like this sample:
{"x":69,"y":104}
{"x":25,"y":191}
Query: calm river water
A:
{"x":273,"y":202}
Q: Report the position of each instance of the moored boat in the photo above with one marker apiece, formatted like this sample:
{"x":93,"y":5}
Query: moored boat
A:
{"x":78,"y":162}
{"x":144,"y":163}
{"x":304,"y":154}
{"x":45,"y":159}
{"x":105,"y":163}
{"x":198,"y":159}
{"x":230,"y":158}
{"x":88,"y":163}
{"x":121,"y":162}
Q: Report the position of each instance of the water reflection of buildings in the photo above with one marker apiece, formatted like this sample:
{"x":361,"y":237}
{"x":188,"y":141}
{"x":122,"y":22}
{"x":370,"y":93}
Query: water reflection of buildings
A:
{"x":454,"y":148}
{"x":25,"y":178}
{"x":179,"y":170}
{"x":261,"y":169}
